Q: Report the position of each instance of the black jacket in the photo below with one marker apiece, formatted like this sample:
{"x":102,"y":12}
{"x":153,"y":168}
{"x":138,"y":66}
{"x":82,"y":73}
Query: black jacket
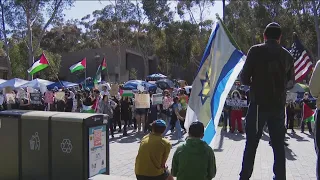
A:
{"x":269,"y":71}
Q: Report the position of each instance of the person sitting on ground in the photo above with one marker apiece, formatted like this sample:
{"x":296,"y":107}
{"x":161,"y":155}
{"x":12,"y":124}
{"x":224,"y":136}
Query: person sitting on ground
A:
{"x":194,"y":159}
{"x":152,"y":155}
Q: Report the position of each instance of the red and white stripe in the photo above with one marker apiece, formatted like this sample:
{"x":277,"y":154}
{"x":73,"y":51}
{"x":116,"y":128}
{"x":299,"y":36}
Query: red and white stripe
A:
{"x":302,"y":66}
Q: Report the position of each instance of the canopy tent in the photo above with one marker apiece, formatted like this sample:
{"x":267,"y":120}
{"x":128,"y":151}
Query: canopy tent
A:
{"x":61,"y":84}
{"x":133,"y":84}
{"x":2,"y":81}
{"x":165,"y":84}
{"x":299,"y":88}
{"x":39,"y":84}
{"x":155,"y":77}
{"x":13,"y":83}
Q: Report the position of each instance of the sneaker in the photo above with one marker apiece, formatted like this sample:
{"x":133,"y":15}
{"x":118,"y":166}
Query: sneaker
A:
{"x":180,"y":140}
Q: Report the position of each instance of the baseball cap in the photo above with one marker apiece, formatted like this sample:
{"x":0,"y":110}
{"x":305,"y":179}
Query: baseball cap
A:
{"x":160,"y":122}
{"x":196,"y":129}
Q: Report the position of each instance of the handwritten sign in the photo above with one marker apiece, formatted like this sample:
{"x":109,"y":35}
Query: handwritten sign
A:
{"x":292,"y":97}
{"x":35,"y":98}
{"x":157,"y":99}
{"x":114,"y":90}
{"x":59,"y":95}
{"x":142,"y":101}
{"x":237,"y":103}
{"x":48,"y":98}
{"x":10,"y":98}
{"x":22,"y":94}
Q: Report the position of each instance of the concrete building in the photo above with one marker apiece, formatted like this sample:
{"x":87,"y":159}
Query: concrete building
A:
{"x":129,"y":65}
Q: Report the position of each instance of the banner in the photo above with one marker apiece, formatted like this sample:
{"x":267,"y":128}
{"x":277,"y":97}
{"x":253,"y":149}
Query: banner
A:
{"x":35,"y":98}
{"x":157,"y":99}
{"x":142,"y":101}
{"x":49,"y":97}
{"x":237,"y":103}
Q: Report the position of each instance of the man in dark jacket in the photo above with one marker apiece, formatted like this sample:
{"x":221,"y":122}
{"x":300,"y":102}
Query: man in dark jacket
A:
{"x":269,"y":71}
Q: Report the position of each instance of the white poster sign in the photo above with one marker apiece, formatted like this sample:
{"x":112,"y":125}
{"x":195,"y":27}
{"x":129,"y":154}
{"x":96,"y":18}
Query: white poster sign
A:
{"x":97,"y":150}
{"x":157,"y":99}
{"x":237,"y":103}
{"x":142,"y":100}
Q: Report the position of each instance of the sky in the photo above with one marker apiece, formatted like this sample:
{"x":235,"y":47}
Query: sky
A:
{"x":83,"y":8}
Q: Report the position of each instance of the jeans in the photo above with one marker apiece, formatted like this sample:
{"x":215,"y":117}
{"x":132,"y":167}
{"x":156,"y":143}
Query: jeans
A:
{"x":225,"y":119}
{"x":317,"y":141}
{"x":178,"y":129}
{"x":275,"y":120}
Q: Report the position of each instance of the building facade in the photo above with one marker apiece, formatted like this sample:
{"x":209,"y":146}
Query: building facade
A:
{"x":121,"y":67}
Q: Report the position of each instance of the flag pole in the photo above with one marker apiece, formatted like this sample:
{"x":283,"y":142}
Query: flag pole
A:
{"x":85,"y":77}
{"x":52,"y":70}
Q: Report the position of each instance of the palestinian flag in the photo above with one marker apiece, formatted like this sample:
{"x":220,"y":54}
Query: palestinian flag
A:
{"x":79,"y":66}
{"x":102,"y":66}
{"x":39,"y":65}
{"x":126,"y":93}
{"x":87,"y":109}
{"x":308,"y":114}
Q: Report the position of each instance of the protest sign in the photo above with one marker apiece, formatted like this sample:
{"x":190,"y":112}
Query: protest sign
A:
{"x":59,"y":95}
{"x":22,"y":94}
{"x":48,"y":98}
{"x":157,"y":99}
{"x":1,"y":99}
{"x":7,"y":90}
{"x":237,"y":103}
{"x":142,"y":100}
{"x":10,"y":98}
{"x":292,"y":97}
{"x":35,"y":98}
{"x":114,"y":90}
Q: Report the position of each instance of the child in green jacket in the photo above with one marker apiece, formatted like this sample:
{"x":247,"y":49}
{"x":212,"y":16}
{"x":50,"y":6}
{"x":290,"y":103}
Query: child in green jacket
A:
{"x":194,"y":159}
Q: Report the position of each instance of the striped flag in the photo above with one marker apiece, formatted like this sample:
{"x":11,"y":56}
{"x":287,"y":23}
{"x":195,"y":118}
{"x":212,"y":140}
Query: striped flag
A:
{"x":302,"y":60}
{"x":220,"y":65}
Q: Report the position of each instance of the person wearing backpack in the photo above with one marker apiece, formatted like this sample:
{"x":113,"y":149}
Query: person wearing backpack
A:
{"x":269,"y":71}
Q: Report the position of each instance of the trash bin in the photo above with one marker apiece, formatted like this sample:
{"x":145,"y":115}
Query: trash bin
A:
{"x":35,"y":143}
{"x":80,"y":146}
{"x":10,"y":154}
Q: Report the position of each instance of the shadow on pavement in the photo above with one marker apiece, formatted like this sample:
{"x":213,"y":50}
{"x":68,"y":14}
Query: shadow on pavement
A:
{"x":297,"y":137}
{"x":290,"y":154}
{"x":265,"y":137}
{"x":131,"y":138}
{"x":234,"y":136}
{"x":222,"y":134}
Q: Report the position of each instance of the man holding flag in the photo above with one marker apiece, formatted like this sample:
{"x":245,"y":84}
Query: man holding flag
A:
{"x":269,"y":71}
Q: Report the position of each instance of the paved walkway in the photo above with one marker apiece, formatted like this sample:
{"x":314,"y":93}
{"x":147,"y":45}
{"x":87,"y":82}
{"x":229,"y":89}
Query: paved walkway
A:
{"x":300,"y":154}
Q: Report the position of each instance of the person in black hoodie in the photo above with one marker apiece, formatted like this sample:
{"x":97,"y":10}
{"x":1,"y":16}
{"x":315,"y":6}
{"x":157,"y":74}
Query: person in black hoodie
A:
{"x":269,"y":71}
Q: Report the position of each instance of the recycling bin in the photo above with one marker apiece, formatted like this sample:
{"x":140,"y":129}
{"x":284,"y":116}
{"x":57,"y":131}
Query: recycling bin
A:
{"x":80,"y":146}
{"x":10,"y":138}
{"x":35,"y":145}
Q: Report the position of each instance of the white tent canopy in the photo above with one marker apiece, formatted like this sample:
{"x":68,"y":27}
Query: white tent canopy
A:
{"x":39,"y":84}
{"x":36,"y":83}
{"x":13,"y":83}
{"x":2,"y":81}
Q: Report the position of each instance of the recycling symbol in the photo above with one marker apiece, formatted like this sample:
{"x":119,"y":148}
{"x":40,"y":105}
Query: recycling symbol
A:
{"x":66,"y":146}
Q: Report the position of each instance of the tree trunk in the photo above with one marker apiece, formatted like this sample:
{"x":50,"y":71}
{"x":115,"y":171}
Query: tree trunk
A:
{"x":6,"y":43}
{"x":316,"y":24}
{"x":30,"y":50}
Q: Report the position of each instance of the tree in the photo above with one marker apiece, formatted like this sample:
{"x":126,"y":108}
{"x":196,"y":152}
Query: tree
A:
{"x":32,"y":10}
{"x":6,"y":15}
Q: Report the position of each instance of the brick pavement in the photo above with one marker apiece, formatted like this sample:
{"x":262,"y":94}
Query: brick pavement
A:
{"x":301,"y":157}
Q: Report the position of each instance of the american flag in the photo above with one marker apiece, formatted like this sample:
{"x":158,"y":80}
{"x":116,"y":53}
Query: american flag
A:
{"x":302,"y":60}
